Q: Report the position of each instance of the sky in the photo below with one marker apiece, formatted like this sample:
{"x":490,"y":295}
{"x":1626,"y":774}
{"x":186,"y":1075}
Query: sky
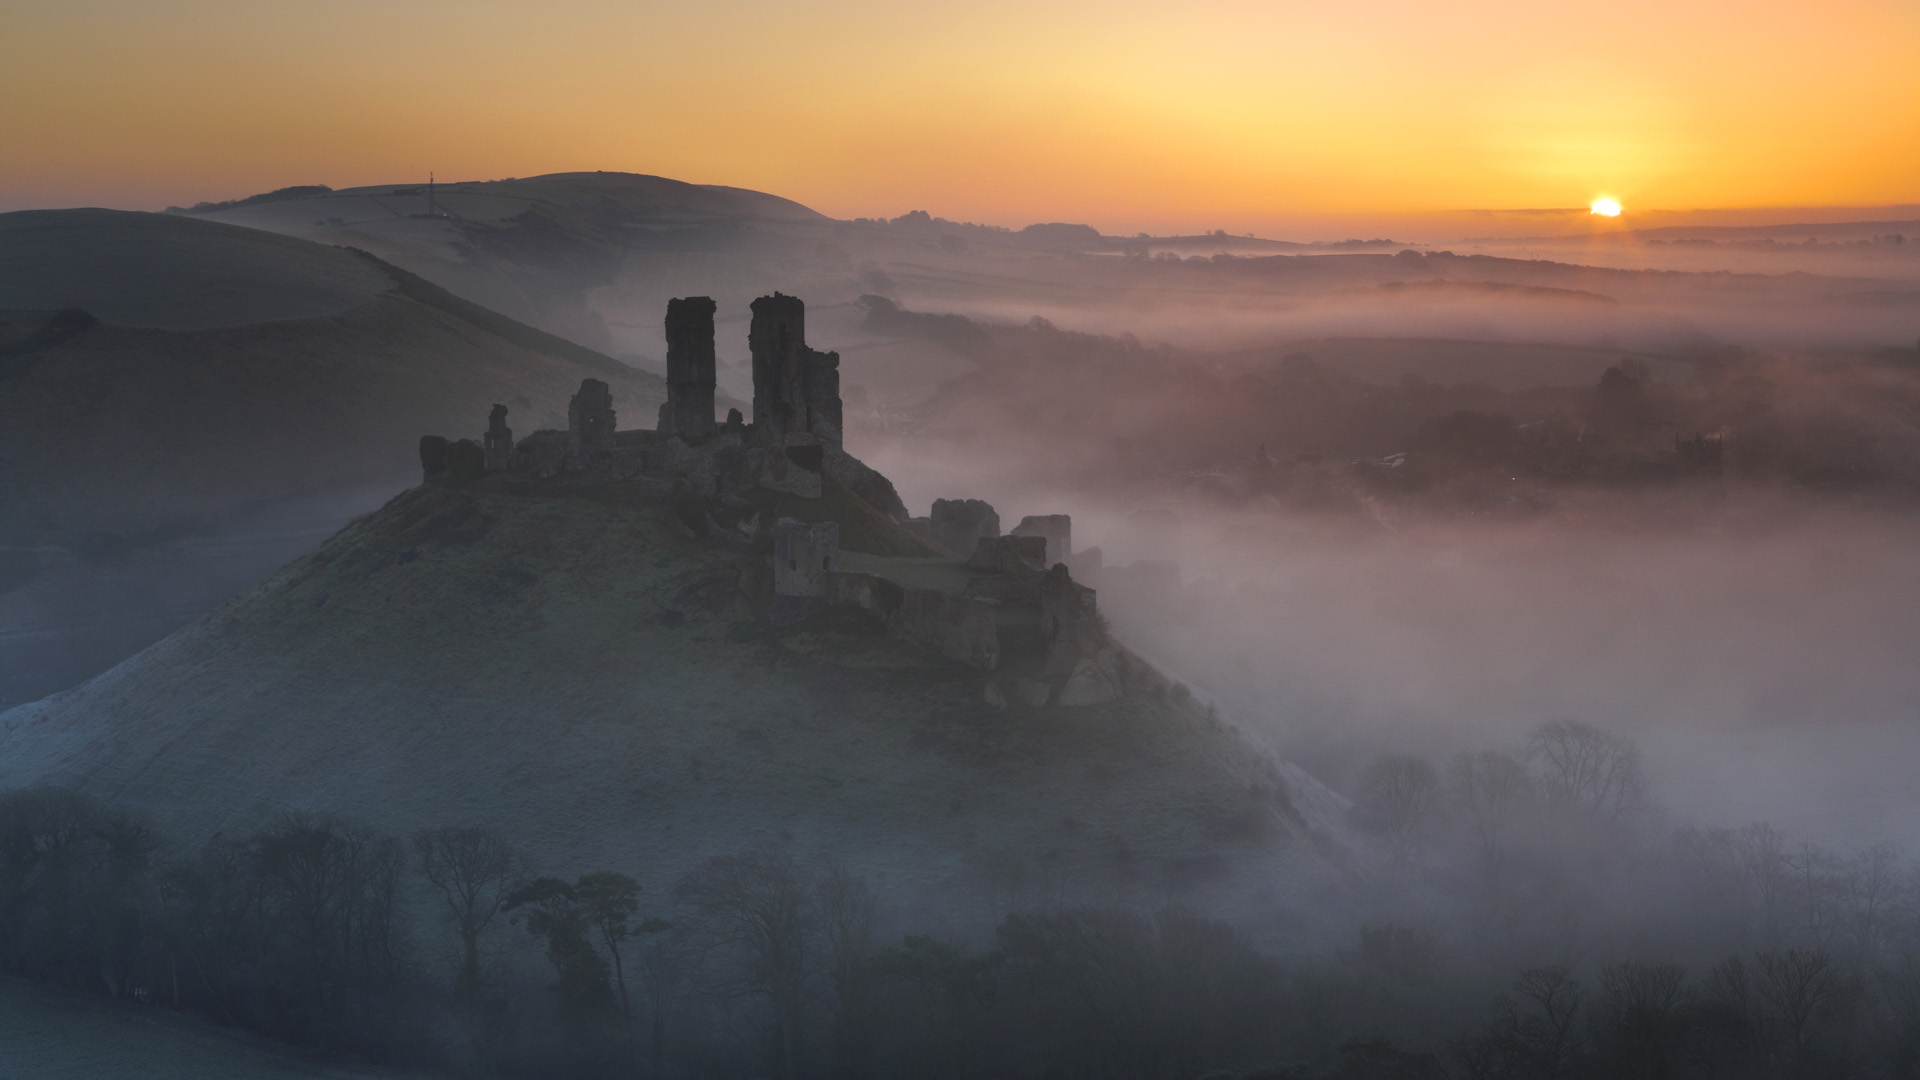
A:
{"x":1248,"y":116}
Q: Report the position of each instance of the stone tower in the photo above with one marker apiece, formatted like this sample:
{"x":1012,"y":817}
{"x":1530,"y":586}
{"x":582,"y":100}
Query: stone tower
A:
{"x":796,"y":390}
{"x":688,"y":411}
{"x":590,"y":417}
{"x":498,"y":441}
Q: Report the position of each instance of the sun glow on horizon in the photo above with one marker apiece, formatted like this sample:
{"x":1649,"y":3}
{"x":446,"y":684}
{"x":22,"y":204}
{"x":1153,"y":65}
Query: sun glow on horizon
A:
{"x":1605,"y":208}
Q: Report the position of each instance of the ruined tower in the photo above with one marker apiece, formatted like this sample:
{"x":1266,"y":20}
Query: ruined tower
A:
{"x":498,"y":441}
{"x":688,"y":411}
{"x":796,"y":390}
{"x":590,"y":417}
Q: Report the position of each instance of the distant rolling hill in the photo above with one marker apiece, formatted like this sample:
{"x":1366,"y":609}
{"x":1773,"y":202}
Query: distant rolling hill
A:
{"x":185,"y":405}
{"x":585,"y":675}
{"x":534,"y":248}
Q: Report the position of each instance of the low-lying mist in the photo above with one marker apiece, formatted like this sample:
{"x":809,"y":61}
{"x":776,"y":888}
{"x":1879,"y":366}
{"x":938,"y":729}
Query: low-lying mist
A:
{"x":1706,"y":551}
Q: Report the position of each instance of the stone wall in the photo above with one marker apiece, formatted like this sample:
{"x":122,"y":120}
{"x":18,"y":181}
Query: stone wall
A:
{"x":1056,"y":528}
{"x":956,"y":627}
{"x":796,"y":389}
{"x":958,"y":524}
{"x":590,"y":419}
{"x":688,"y":410}
{"x":803,"y":557}
{"x":497,"y":443}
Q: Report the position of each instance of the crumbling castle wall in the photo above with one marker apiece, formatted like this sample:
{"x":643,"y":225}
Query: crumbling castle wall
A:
{"x":796,"y":389}
{"x":691,"y":378}
{"x":803,"y":556}
{"x":497,"y":443}
{"x":590,"y":420}
{"x":957,"y":627}
{"x":958,"y":524}
{"x":1057,"y":529}
{"x":1070,"y":624}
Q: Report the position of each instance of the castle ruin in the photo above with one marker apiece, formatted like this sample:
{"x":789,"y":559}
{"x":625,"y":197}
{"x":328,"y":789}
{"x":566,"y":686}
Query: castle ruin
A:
{"x":1012,"y":606}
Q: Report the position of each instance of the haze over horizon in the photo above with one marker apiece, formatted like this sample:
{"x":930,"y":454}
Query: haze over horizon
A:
{"x":1303,"y":118}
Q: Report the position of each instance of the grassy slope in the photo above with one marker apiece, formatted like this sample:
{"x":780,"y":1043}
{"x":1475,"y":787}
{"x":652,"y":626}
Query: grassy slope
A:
{"x":51,"y":1034}
{"x":162,"y":272}
{"x":132,"y":457}
{"x":583,"y":676}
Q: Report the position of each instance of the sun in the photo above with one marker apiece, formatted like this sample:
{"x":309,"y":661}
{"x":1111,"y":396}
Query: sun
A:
{"x":1605,"y":207}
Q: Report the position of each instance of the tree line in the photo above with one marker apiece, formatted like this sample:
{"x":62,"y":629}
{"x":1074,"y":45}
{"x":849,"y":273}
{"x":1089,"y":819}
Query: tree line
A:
{"x":1523,"y":914}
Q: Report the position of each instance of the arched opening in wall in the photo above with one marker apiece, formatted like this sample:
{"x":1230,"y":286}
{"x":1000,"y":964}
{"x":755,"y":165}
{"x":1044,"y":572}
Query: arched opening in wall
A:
{"x":826,"y":563}
{"x":793,"y":564}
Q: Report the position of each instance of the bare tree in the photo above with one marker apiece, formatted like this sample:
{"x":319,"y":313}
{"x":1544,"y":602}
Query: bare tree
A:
{"x":1802,"y":994}
{"x":1871,"y":887}
{"x":1542,"y":1019}
{"x":1491,"y":787}
{"x":846,"y":922}
{"x":1817,"y":891}
{"x":1397,"y":796}
{"x":1761,"y":851}
{"x":1637,"y":1020}
{"x":1586,"y":770}
{"x":472,"y":870}
{"x":755,"y":908}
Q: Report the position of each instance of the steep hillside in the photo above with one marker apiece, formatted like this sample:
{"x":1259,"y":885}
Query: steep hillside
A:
{"x":204,"y":402}
{"x":588,"y":676}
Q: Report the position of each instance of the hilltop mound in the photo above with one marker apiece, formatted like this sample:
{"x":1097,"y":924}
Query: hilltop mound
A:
{"x":213,"y":401}
{"x":581,"y":671}
{"x":630,"y":195}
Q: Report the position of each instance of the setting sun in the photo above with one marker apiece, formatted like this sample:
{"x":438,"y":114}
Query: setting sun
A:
{"x":1605,"y":207}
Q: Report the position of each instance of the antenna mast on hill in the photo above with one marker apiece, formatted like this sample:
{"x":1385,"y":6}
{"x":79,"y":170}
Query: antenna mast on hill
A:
{"x":430,"y":210}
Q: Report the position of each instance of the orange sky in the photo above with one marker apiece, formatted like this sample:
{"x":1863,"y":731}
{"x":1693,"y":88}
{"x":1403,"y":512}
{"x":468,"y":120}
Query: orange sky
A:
{"x":1130,"y":115}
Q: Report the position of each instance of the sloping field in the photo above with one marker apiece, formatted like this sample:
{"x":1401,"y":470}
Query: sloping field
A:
{"x":155,"y":271}
{"x":50,"y":1034}
{"x":151,"y":469}
{"x":587,"y":677}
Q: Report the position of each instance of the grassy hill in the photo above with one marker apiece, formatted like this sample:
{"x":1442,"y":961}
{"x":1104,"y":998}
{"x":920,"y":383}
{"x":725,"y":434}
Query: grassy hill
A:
{"x":587,"y":676}
{"x":186,"y":405}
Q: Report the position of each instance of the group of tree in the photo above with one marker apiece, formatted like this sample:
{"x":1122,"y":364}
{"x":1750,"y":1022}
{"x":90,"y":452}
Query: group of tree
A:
{"x":1747,"y":955}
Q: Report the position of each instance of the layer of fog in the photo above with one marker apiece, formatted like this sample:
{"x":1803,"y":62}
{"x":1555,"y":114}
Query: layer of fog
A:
{"x":1761,"y":644}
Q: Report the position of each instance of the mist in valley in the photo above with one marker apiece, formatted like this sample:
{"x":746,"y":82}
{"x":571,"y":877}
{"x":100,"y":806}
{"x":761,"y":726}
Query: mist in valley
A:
{"x":1561,"y":590}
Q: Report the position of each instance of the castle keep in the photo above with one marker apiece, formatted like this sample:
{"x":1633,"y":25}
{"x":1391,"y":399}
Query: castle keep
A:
{"x":1005,"y":604}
